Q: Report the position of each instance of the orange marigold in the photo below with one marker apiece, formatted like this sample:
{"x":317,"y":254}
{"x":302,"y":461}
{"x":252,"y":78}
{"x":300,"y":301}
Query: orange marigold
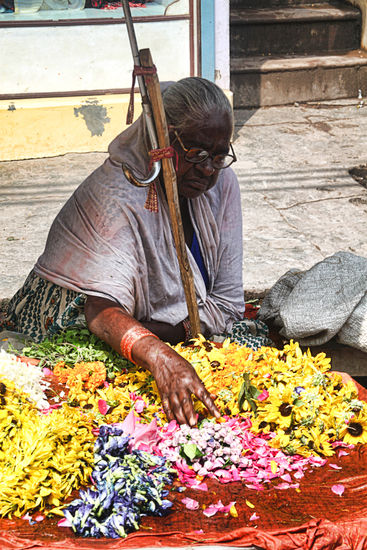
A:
{"x":61,"y":371}
{"x":90,"y":374}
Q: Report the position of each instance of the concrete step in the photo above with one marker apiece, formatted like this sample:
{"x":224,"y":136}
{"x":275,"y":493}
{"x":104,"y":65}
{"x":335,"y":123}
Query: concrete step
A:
{"x":295,"y":30}
{"x":260,"y":81}
{"x":271,"y":3}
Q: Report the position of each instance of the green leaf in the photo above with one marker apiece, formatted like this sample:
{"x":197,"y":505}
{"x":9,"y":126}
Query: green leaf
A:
{"x":242,"y":396}
{"x":248,"y":392}
{"x":191,"y":451}
{"x":75,"y":345}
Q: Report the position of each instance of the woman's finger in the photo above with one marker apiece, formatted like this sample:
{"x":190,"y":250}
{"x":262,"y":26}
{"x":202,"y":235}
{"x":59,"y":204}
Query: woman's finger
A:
{"x":177,"y":410}
{"x":206,"y":399}
{"x":188,"y":409}
{"x":167,"y":408}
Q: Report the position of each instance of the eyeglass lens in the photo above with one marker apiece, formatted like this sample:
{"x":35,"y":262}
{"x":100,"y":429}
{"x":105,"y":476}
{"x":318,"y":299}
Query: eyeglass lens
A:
{"x":200,"y":155}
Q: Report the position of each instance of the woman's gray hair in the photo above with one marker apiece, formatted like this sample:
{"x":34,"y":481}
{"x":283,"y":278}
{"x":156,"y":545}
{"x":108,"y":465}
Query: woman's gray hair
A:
{"x":189,"y":101}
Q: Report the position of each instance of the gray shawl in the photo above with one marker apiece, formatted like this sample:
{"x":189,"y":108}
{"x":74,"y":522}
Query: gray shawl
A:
{"x":105,"y":243}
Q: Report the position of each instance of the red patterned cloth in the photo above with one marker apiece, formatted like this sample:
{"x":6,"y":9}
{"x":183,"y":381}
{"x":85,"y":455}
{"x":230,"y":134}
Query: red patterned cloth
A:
{"x":106,"y":5}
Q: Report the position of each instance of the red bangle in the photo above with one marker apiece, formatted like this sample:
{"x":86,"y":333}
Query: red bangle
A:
{"x":130,"y":337}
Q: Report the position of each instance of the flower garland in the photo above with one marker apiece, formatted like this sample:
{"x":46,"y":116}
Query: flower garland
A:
{"x":126,"y":487}
{"x":42,"y":457}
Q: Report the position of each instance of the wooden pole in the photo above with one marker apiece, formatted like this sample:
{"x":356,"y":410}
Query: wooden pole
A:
{"x":170,"y":183}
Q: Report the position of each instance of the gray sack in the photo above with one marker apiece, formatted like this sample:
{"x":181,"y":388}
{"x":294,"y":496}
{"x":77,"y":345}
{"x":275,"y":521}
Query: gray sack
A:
{"x":328,"y":300}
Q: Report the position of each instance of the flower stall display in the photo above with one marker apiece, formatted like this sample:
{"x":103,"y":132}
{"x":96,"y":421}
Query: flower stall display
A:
{"x":85,"y":418}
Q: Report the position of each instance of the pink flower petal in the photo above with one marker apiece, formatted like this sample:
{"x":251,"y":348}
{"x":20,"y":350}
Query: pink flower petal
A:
{"x":335,"y":466}
{"x":146,"y":435}
{"x":190,"y":503}
{"x":47,"y":372}
{"x":143,"y":436}
{"x":342,"y":453}
{"x":102,"y":406}
{"x":263,"y":395}
{"x":338,"y":489}
{"x":254,"y":517}
{"x":283,"y":486}
{"x":64,"y":523}
{"x":224,"y":475}
{"x":287,"y":478}
{"x":200,"y":487}
{"x":210,"y":511}
{"x":140,"y":405}
{"x":39,"y":518}
{"x":128,"y":424}
{"x":183,"y":468}
{"x":171,"y":427}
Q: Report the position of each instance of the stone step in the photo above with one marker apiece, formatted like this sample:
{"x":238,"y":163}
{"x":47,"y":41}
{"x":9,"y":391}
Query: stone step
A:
{"x":260,"y":81}
{"x":269,"y":4}
{"x":295,"y":30}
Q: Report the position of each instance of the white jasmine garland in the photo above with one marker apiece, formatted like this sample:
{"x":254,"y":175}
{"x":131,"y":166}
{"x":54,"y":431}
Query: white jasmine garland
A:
{"x":26,"y":377}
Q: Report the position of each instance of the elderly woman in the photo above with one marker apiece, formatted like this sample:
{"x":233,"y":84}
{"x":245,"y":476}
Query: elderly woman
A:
{"x":110,"y":259}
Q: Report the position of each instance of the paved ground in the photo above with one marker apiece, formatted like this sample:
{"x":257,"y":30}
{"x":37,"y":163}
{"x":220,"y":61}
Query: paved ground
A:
{"x":300,"y":204}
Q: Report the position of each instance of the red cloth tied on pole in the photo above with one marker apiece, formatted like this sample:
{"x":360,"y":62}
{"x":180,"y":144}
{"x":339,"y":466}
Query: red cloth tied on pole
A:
{"x":138,"y":71}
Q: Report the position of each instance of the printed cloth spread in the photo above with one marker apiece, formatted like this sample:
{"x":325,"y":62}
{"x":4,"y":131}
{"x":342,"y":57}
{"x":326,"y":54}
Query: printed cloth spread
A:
{"x":328,"y":300}
{"x":105,"y":243}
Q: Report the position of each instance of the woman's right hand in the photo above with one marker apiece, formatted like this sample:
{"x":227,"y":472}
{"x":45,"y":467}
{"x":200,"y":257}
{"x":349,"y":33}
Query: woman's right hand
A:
{"x":176,"y":379}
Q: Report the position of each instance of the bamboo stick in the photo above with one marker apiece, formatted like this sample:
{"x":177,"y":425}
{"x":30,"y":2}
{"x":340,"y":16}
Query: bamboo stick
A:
{"x":170,"y":183}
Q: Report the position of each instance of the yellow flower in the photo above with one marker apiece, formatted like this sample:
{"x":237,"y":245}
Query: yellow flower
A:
{"x":356,"y":430}
{"x":44,"y":457}
{"x":278,"y":407}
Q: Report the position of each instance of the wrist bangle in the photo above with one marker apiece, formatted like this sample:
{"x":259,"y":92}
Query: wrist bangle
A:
{"x":187,"y":328}
{"x":130,"y":337}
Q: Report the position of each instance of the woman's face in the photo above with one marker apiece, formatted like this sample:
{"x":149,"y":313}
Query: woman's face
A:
{"x":214,"y":136}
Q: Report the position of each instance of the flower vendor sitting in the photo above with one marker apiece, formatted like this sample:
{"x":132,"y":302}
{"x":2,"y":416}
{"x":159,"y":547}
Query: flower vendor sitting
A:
{"x":110,"y":260}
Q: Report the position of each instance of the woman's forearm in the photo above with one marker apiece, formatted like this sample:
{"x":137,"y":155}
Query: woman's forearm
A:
{"x":176,"y":379}
{"x":108,"y":321}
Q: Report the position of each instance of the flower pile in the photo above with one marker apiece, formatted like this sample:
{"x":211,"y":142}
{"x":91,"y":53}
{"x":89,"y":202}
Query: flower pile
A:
{"x":287,"y":392}
{"x":86,"y":374}
{"x":127,"y":486}
{"x":295,"y":396}
{"x":42,"y":457}
{"x":26,"y":377}
{"x":283,"y":413}
{"x":229,"y":451}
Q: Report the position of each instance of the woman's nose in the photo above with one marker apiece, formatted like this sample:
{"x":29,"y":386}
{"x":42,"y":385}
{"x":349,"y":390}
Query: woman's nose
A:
{"x":206,"y":167}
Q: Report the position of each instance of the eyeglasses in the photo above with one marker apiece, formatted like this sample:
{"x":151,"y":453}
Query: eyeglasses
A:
{"x":197,"y":155}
